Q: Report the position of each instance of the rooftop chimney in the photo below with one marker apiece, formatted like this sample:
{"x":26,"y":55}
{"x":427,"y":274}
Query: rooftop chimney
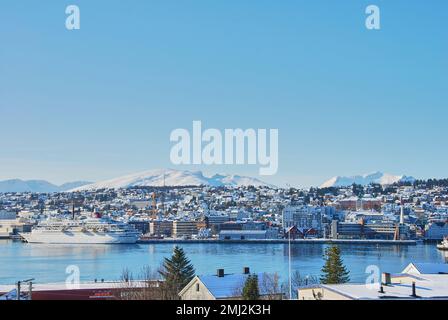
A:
{"x":414,"y":291}
{"x":246,"y":270}
{"x":220,"y":273}
{"x":387,"y":279}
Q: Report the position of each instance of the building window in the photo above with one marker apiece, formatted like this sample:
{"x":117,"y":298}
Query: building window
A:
{"x":197,"y":287}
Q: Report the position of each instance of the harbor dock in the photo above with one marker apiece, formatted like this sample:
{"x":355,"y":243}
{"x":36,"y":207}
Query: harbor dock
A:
{"x":284,"y":241}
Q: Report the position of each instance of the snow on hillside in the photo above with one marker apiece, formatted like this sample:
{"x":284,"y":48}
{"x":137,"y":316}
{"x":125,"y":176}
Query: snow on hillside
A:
{"x":72,"y":185}
{"x":170,"y":177}
{"x":39,"y":186}
{"x":376,"y":177}
{"x":17,"y":185}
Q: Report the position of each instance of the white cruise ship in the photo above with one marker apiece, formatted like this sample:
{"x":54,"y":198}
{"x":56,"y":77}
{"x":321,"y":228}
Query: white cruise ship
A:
{"x":82,"y":231}
{"x":443,"y":245}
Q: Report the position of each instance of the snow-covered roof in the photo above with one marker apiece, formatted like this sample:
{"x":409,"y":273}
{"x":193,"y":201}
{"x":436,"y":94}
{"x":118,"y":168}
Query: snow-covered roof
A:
{"x":224,"y":287}
{"x":426,"y":268}
{"x":430,"y":286}
{"x":228,"y":286}
{"x":81,"y":286}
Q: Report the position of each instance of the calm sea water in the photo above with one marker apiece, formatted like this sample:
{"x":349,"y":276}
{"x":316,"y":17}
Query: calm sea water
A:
{"x":48,"y":263}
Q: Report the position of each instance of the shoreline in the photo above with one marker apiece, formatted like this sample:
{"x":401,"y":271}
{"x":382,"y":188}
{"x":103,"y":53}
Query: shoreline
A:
{"x":281,"y":241}
{"x":273,"y":241}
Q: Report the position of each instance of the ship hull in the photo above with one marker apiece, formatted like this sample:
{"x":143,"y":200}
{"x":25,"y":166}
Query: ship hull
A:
{"x":49,"y":237}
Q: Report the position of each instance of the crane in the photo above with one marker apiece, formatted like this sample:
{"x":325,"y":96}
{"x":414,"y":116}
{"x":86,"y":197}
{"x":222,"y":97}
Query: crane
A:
{"x":154,"y":206}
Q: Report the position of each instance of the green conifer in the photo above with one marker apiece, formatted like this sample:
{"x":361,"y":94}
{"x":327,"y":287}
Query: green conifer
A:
{"x":176,"y":272}
{"x":334,"y":271}
{"x":251,"y":290}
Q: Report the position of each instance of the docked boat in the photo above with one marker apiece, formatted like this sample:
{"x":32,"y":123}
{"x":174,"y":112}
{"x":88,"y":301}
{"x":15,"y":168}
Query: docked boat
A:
{"x":443,"y":245}
{"x":82,"y":231}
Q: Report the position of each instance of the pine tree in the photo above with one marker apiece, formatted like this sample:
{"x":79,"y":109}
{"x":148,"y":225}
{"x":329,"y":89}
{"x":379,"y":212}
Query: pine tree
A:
{"x":334,"y":271}
{"x":177,"y":272}
{"x":251,"y":290}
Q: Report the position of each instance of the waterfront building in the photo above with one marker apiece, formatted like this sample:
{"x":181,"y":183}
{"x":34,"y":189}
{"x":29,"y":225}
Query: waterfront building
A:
{"x":185,"y":228}
{"x":161,"y":228}
{"x":266,"y":234}
{"x":303,"y":218}
{"x":241,"y":225}
{"x":140,"y":225}
{"x":10,"y":225}
{"x":345,"y":230}
{"x":361,"y":230}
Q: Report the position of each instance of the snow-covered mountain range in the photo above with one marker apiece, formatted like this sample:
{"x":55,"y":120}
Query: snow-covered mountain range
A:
{"x":172,"y":178}
{"x":177,"y":178}
{"x":376,"y":177}
{"x":17,"y":185}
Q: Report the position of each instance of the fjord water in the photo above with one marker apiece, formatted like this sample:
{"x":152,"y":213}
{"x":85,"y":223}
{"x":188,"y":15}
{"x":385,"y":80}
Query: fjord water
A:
{"x":48,"y":263}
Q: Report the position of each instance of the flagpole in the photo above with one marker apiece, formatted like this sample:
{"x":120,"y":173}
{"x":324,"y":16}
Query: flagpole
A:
{"x":289,"y":255}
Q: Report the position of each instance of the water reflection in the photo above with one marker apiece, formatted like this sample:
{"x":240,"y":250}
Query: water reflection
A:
{"x":444,"y":255}
{"x":47,"y":263}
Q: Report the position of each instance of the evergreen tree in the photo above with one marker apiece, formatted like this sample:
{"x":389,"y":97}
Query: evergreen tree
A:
{"x":358,"y":190}
{"x":334,"y":271}
{"x":177,"y":272}
{"x":251,"y":290}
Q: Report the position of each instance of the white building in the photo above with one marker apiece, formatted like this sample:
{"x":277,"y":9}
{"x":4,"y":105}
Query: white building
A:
{"x":302,"y":217}
{"x":9,"y":224}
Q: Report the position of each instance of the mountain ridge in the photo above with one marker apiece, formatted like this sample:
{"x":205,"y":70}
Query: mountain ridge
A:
{"x":172,"y":178}
{"x":42,"y":186}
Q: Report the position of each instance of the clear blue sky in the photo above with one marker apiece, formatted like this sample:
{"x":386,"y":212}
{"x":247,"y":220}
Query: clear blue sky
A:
{"x":101,"y":102}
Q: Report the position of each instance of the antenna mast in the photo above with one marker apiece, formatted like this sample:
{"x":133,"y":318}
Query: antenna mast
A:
{"x":154,"y":206}
{"x":163,"y":195}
